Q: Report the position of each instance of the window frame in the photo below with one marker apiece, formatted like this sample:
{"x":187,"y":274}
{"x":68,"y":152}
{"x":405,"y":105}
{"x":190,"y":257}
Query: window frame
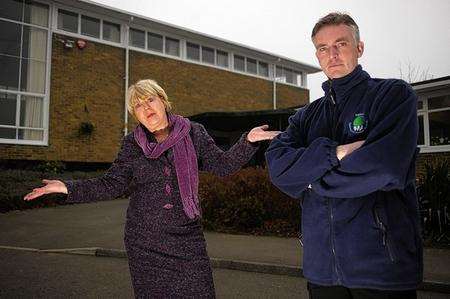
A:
{"x":78,"y":34}
{"x":44,"y":96}
{"x":427,"y":147}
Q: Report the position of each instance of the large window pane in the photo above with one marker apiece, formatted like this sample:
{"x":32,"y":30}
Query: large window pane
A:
{"x":34,"y":43}
{"x":279,"y":73}
{"x":251,"y":66}
{"x":111,"y":32}
{"x":439,"y":127}
{"x":36,"y":13}
{"x":298,"y":78}
{"x":222,"y":58}
{"x":421,"y":138}
{"x":9,"y":75}
{"x":8,"y":133}
{"x":172,"y":46}
{"x":8,"y":104}
{"x":11,"y":9}
{"x":420,"y":105}
{"x":10,"y":38}
{"x":155,"y":42}
{"x":239,"y":63}
{"x":263,"y":69}
{"x":31,"y":112}
{"x":27,"y":134}
{"x":33,"y":76}
{"x":90,"y":26}
{"x":192,"y":51}
{"x":67,"y":21}
{"x":137,"y":38}
{"x":289,"y":76}
{"x":439,"y":102}
{"x":208,"y":55}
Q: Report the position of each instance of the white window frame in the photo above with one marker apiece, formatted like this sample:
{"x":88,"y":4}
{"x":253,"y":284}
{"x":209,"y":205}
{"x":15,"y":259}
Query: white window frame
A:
{"x":45,"y":96}
{"x":228,"y":57}
{"x":79,"y":12}
{"x":428,"y":148}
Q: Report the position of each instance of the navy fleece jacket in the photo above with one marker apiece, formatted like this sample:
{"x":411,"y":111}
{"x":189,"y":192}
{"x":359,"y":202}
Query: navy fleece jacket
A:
{"x":359,"y":216}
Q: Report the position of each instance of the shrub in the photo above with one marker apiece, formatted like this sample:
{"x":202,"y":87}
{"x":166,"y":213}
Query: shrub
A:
{"x":434,"y":201}
{"x":14,"y":184}
{"x":51,"y":167}
{"x":247,"y":202}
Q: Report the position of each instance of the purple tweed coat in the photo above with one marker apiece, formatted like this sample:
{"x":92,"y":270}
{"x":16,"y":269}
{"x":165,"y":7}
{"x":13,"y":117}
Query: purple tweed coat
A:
{"x":166,"y":250}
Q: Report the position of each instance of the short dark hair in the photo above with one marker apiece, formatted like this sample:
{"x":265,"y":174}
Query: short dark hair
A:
{"x":336,"y":18}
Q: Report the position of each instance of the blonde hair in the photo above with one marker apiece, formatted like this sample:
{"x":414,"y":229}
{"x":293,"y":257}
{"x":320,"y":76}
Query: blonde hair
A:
{"x":141,"y":90}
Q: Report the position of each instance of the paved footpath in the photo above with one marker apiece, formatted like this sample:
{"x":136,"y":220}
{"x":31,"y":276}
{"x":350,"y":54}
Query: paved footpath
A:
{"x":35,"y":237}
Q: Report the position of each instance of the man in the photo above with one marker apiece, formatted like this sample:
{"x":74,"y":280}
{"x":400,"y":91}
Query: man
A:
{"x":350,"y":156}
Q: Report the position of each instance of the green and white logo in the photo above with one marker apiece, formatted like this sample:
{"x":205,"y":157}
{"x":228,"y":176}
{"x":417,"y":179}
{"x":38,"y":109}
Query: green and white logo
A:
{"x":359,"y":124}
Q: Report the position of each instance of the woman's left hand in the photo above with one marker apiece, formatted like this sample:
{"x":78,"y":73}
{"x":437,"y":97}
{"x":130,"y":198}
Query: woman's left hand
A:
{"x":261,"y":133}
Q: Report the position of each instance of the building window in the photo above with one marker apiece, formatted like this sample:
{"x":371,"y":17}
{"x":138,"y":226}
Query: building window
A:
{"x":298,"y":78}
{"x":263,"y":69}
{"x":421,"y":137}
{"x":111,"y":32}
{"x":251,"y":66}
{"x":192,"y":51}
{"x":36,"y":13}
{"x":90,"y":26}
{"x":23,"y":60}
{"x":207,"y":55}
{"x":434,"y":121}
{"x":439,"y":120}
{"x":286,"y":75}
{"x":222,"y":58}
{"x":155,"y":42}
{"x":289,"y":76}
{"x":239,"y":63}
{"x":172,"y":46}
{"x":137,"y":38}
{"x":12,"y":9}
{"x":67,"y":21}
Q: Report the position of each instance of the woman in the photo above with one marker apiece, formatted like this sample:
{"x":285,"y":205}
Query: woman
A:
{"x":158,"y":165}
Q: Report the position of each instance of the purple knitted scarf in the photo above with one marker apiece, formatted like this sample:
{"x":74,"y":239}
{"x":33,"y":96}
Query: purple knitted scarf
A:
{"x":185,"y":159}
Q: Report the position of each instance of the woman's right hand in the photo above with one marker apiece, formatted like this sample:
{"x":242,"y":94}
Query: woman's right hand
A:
{"x":51,"y":186}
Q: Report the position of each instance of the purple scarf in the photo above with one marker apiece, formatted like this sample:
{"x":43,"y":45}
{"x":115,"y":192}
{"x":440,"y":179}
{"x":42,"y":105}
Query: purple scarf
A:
{"x":185,"y":159}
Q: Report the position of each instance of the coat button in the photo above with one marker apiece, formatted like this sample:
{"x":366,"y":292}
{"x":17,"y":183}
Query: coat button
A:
{"x":167,"y":171}
{"x":168,"y":189}
{"x":168,"y":206}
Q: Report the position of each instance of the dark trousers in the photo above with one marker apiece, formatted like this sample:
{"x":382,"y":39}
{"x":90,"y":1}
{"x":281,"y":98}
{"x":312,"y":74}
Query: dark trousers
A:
{"x":338,"y":292}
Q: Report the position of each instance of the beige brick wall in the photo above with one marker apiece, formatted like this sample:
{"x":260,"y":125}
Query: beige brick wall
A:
{"x":94,"y":78}
{"x":195,"y":89}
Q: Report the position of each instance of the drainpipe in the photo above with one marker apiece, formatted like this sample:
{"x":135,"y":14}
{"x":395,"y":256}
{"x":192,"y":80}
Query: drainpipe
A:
{"x":127,"y":64}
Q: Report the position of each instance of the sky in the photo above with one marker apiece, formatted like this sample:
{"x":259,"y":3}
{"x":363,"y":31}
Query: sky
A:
{"x":398,"y":34}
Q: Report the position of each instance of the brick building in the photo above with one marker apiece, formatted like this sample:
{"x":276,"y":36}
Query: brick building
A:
{"x":434,"y":120}
{"x":66,"y":64}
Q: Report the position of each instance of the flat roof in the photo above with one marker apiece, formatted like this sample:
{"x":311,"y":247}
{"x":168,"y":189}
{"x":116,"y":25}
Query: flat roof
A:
{"x":432,"y":84}
{"x":141,"y":20}
{"x":445,"y":78}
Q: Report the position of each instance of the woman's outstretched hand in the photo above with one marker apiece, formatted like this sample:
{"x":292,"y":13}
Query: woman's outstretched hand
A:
{"x":51,"y":186}
{"x":261,"y":133}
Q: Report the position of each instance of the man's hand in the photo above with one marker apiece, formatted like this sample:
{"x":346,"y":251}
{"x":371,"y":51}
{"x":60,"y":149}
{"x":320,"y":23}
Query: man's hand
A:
{"x":51,"y":186}
{"x":260,"y":133}
{"x":346,"y":149}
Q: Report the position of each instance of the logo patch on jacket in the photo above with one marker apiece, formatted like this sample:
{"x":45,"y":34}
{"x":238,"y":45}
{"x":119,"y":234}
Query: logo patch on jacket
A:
{"x":359,"y":124}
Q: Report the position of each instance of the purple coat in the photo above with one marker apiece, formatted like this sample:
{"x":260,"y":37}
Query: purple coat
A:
{"x":166,"y":250}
